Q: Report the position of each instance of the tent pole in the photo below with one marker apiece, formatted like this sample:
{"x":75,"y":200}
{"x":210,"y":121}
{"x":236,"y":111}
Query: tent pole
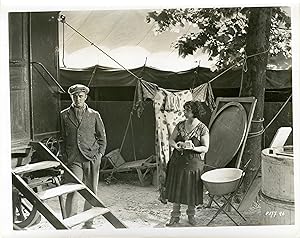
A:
{"x":133,"y":144}
{"x":197,"y":72}
{"x":130,"y":122}
{"x":92,"y":76}
{"x":125,"y":134}
{"x":130,"y":118}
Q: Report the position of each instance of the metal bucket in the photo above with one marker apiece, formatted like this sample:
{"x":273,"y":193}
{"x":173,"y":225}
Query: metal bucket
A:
{"x":222,"y":181}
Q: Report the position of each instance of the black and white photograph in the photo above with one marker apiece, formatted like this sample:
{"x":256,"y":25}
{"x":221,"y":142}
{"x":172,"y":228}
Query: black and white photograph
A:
{"x":173,"y":119}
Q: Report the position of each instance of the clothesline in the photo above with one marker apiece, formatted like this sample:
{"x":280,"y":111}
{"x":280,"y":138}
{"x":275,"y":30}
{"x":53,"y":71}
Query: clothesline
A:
{"x":62,"y":19}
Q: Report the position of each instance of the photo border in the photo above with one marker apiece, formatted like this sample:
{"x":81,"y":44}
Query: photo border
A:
{"x":5,"y":181}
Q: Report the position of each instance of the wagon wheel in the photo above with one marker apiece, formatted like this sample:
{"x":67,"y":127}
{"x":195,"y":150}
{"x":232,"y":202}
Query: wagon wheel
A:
{"x":52,"y":144}
{"x":24,"y":213}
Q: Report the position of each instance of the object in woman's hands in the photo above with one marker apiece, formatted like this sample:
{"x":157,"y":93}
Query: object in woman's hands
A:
{"x":188,"y":145}
{"x":180,"y":145}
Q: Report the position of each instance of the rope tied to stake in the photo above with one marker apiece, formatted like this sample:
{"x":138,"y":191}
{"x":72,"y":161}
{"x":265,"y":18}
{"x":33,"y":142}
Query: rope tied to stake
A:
{"x":262,"y":131}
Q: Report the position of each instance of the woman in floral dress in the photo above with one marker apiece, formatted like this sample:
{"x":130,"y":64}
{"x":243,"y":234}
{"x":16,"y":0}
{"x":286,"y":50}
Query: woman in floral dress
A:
{"x":190,"y":140}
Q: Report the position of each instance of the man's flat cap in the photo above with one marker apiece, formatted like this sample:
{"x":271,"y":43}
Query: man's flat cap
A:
{"x":77,"y":88}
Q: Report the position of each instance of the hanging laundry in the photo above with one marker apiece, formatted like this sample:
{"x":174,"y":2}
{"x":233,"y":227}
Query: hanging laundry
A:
{"x":210,"y":99}
{"x":199,"y":93}
{"x":168,"y":108}
{"x":204,"y":93}
{"x":144,"y":90}
{"x":173,"y":102}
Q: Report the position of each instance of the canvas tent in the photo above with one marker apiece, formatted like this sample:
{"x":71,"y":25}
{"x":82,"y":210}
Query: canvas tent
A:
{"x":127,"y":37}
{"x":99,"y":76}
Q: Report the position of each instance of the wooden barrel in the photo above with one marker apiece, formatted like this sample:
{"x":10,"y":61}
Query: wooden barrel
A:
{"x":277,"y":174}
{"x":276,"y":212}
{"x":277,"y":191}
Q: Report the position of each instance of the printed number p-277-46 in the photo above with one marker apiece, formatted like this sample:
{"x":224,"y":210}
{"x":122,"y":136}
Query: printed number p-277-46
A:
{"x":273,"y":214}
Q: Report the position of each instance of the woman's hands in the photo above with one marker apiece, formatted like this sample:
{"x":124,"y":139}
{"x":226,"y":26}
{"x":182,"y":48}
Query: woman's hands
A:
{"x":179,"y":146}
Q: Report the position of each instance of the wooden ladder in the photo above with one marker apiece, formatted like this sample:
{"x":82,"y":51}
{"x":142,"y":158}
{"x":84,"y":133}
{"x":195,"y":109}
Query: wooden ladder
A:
{"x":38,"y":198}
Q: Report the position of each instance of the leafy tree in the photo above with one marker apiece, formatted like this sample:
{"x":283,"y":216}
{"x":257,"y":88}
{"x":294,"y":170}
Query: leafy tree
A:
{"x":222,"y":32}
{"x":230,"y":35}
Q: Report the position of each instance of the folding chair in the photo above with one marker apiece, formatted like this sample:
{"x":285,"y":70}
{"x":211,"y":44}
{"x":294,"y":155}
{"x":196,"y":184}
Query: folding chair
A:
{"x":229,"y":188}
{"x":116,"y":160}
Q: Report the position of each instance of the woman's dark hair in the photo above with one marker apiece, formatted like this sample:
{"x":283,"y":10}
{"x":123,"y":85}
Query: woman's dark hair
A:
{"x":196,"y":107}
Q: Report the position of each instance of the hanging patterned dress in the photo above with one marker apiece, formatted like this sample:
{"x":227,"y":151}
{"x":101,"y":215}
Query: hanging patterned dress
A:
{"x":183,"y":181}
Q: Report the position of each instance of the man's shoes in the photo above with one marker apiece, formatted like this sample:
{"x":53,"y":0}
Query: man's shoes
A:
{"x":88,"y":226}
{"x":192,"y":220}
{"x":173,"y":221}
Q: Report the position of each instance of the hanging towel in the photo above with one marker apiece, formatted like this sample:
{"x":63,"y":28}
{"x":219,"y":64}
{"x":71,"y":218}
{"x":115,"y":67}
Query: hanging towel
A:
{"x":173,"y":102}
{"x":145,"y":90}
{"x":199,"y":93}
{"x":204,"y":93}
{"x":210,"y":99}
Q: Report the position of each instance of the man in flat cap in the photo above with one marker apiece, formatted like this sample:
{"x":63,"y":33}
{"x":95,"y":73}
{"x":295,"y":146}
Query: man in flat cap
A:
{"x":84,"y":144}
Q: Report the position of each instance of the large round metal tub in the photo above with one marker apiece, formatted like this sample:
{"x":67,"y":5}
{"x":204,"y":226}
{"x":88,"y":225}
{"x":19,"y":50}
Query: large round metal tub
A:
{"x":277,"y":174}
{"x":222,"y":181}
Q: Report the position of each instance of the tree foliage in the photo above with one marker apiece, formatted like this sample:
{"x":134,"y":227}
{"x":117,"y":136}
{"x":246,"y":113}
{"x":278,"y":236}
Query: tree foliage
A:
{"x":221,"y":32}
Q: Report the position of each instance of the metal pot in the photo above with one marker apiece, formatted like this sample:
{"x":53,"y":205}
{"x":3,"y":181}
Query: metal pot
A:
{"x":222,"y":181}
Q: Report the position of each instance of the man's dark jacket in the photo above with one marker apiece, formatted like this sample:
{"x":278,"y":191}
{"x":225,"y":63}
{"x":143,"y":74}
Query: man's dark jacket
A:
{"x":86,"y":138}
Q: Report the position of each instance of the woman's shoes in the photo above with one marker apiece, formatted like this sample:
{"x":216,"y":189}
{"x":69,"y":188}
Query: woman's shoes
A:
{"x":173,"y":221}
{"x":192,"y":220}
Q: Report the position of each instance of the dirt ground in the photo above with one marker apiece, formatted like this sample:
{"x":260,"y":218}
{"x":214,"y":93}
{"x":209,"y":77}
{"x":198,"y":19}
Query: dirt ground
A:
{"x":138,"y":207}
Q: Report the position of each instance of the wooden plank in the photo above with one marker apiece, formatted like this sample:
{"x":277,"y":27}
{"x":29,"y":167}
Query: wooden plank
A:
{"x":35,"y":166}
{"x":85,"y":216}
{"x":250,"y":196}
{"x":128,"y":168}
{"x":19,"y":77}
{"x":60,"y":190}
{"x":132,"y":164}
